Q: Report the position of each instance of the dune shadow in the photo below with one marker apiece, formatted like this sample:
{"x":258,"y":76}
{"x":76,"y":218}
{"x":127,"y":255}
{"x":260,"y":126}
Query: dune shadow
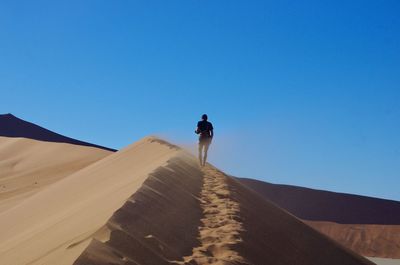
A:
{"x":272,"y":236}
{"x":319,"y":205}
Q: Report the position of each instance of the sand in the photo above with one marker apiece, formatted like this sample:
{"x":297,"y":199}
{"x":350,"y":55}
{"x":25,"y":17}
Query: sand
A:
{"x":219,"y":230}
{"x":382,"y":261}
{"x":368,"y":240}
{"x":366,"y":225}
{"x":27,"y":166}
{"x":184,"y":214}
{"x":151,"y":203}
{"x":54,"y":225}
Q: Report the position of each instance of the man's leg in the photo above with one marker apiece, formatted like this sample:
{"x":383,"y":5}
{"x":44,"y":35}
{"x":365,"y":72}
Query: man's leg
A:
{"x":206,"y":146}
{"x":200,"y":152}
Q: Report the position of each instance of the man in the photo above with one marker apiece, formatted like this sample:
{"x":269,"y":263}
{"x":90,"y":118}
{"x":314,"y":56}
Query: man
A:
{"x":205,"y":130}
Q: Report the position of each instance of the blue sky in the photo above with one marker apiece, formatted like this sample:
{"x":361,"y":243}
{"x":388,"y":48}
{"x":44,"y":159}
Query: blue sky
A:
{"x":300,"y":92}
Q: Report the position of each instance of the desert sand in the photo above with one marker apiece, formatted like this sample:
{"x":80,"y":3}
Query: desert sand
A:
{"x":52,"y":226}
{"x":32,"y":157}
{"x":65,"y":201}
{"x":383,"y":261}
{"x":27,"y":166}
{"x":369,"y":240}
{"x":150,"y":203}
{"x":368,"y":226}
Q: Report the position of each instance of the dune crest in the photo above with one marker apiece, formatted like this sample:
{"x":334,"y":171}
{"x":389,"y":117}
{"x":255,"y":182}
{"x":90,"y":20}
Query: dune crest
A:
{"x":221,"y":227}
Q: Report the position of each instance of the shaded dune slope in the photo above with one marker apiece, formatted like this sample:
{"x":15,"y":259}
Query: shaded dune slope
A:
{"x":157,"y":224}
{"x":368,"y":226}
{"x":11,"y":126}
{"x":273,"y":236}
{"x":27,"y":166}
{"x":319,"y":205}
{"x":368,"y":240}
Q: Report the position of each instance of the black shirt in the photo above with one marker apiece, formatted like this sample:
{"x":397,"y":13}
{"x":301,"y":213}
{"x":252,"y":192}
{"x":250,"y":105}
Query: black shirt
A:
{"x":205,"y":128}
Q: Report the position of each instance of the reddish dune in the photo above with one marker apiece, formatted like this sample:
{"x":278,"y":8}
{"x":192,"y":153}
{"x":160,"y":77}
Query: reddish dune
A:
{"x":369,"y":240}
{"x":368,"y":226}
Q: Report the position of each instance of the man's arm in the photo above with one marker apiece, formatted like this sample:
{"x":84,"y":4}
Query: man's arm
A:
{"x":212,"y":133}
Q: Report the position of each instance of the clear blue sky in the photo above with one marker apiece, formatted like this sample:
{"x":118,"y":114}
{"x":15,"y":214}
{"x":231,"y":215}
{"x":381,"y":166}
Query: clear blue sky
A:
{"x":300,"y":92}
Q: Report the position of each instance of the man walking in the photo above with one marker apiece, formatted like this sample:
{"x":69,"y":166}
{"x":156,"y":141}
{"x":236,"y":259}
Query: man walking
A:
{"x":206,"y":133}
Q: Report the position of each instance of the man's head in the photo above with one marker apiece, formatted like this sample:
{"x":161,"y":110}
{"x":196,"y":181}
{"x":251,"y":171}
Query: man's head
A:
{"x":204,"y":117}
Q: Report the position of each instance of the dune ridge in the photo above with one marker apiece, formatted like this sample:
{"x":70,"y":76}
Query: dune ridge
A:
{"x":220,"y":230}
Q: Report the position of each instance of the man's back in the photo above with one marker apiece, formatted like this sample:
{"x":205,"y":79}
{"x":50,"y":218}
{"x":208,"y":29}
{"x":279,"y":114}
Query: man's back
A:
{"x":205,"y":128}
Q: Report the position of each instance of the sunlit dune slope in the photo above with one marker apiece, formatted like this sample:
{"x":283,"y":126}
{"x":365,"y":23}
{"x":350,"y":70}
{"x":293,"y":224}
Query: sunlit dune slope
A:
{"x":32,"y":157}
{"x":27,"y":166}
{"x":54,"y":225}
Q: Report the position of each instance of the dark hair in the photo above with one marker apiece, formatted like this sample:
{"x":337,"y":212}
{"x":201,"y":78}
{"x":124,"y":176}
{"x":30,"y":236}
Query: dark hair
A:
{"x":204,"y":117}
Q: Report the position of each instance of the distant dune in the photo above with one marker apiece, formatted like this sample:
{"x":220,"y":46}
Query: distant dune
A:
{"x":27,"y":165}
{"x":319,"y":205}
{"x":369,"y":226}
{"x":11,"y":126}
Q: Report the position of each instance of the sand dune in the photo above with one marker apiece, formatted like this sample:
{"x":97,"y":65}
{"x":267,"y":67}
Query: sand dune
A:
{"x":206,"y":217}
{"x":219,"y":230}
{"x":368,"y":226}
{"x":383,"y":261}
{"x":52,"y":226}
{"x":369,"y":240}
{"x":150,"y":203}
{"x":320,"y":205}
{"x":32,"y":157}
{"x":27,"y":166}
{"x":11,"y":126}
